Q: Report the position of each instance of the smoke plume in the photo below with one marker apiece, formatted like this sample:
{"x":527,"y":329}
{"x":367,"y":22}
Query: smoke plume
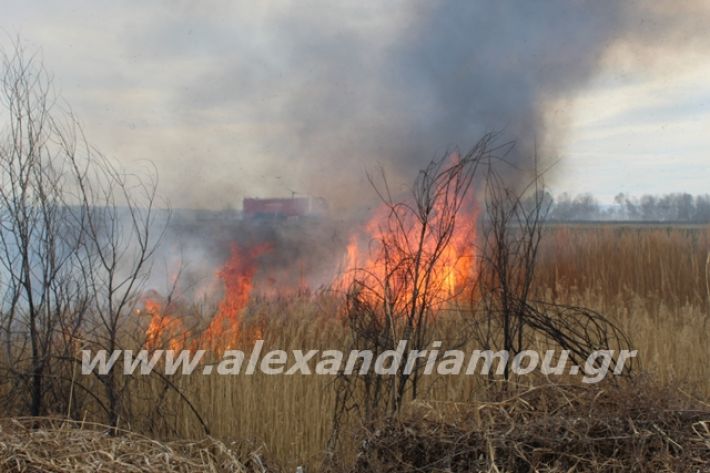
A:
{"x":355,"y":87}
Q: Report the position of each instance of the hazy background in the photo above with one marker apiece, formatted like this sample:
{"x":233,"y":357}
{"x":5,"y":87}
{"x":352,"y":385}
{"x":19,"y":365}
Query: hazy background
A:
{"x":268,"y":98}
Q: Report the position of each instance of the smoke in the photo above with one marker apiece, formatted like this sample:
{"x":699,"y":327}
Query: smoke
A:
{"x":511,"y":66}
{"x":347,"y":88}
{"x":268,"y":98}
{"x":238,"y":98}
{"x":325,"y":91}
{"x":292,"y":254}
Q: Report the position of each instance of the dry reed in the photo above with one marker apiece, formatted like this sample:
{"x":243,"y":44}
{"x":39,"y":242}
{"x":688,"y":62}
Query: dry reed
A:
{"x":50,"y":445}
{"x":650,"y":281}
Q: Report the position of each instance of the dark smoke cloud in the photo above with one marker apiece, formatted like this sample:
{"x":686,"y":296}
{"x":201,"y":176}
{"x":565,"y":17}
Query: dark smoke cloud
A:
{"x":234,"y":98}
{"x":347,"y":88}
{"x":330,"y":90}
{"x":265,"y":98}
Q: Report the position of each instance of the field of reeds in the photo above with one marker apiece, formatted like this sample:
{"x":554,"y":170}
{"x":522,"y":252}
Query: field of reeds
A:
{"x":651,"y":281}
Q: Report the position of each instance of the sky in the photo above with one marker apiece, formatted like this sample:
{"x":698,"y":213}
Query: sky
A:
{"x":648,"y":134}
{"x":269,"y":98}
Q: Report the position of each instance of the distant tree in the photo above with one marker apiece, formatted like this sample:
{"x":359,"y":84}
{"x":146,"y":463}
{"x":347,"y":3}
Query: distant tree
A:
{"x":581,"y":207}
{"x":701,"y":212}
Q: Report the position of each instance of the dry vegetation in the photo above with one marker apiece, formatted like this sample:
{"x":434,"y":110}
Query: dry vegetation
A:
{"x":56,"y":446}
{"x":652,"y":282}
{"x":77,"y":243}
{"x":547,"y":428}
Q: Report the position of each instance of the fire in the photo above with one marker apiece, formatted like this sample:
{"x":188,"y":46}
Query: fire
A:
{"x":224,"y":330}
{"x":399,"y":254}
{"x":237,"y":275}
{"x":406,"y":256}
{"x":163,"y":329}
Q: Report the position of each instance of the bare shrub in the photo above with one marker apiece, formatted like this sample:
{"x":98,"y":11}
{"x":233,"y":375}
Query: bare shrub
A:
{"x":505,"y":312}
{"x":398,"y":299}
{"x":552,"y":428}
{"x":396,"y":295}
{"x":77,"y":235}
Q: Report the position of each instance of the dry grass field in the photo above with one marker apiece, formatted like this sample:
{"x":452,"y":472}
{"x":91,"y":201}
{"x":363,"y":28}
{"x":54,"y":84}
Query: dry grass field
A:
{"x":355,"y":237}
{"x":651,"y":281}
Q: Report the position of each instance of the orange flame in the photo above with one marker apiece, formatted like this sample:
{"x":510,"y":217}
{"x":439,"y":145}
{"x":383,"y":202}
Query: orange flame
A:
{"x":237,"y":275}
{"x":163,"y":330}
{"x":224,"y":329}
{"x":398,"y":253}
{"x":398,"y":257}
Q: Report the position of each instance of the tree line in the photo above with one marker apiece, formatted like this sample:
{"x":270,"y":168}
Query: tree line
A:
{"x":673,"y":207}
